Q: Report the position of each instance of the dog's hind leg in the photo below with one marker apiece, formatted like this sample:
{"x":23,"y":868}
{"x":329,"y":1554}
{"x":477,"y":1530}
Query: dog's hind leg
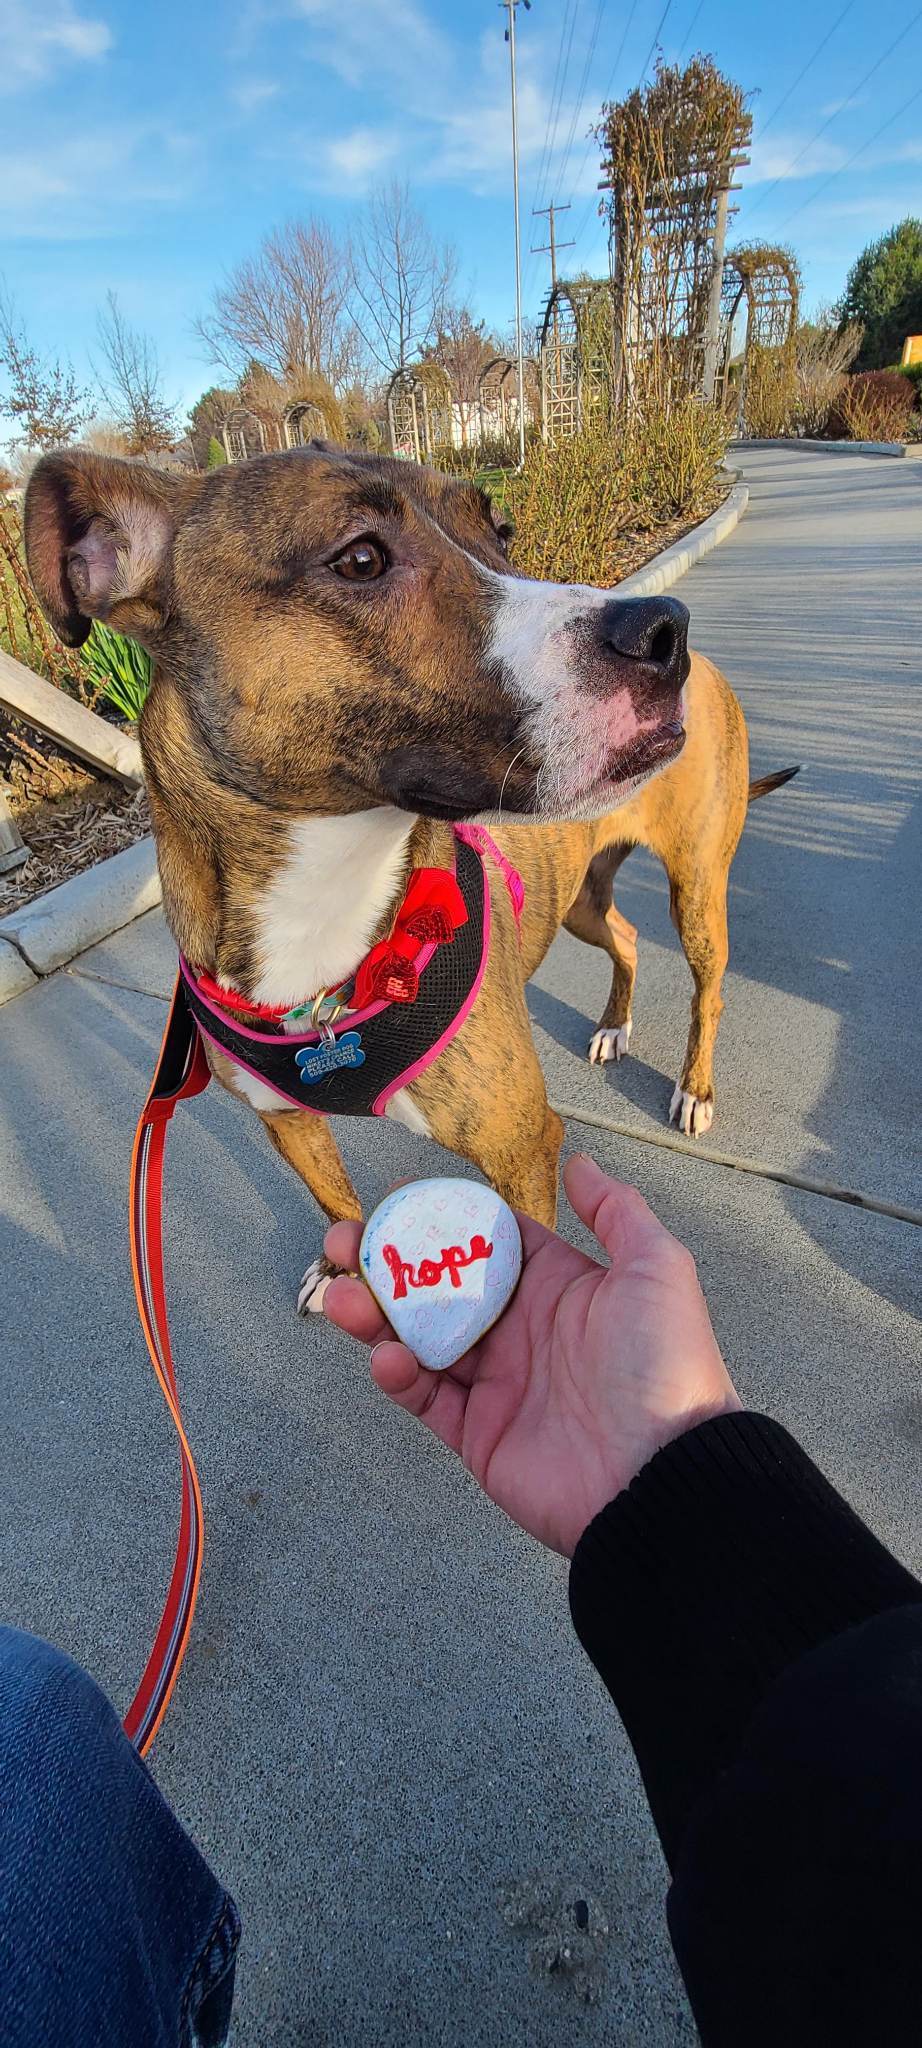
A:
{"x":306,"y":1144}
{"x":596,"y":919}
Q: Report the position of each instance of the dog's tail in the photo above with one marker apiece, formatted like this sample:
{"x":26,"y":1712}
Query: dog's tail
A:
{"x":766,"y":783}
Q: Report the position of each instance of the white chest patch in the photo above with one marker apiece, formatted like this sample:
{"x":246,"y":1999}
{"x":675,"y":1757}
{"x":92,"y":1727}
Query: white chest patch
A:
{"x":339,"y":878}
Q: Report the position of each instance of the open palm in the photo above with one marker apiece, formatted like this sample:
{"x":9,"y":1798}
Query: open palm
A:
{"x":589,"y":1371}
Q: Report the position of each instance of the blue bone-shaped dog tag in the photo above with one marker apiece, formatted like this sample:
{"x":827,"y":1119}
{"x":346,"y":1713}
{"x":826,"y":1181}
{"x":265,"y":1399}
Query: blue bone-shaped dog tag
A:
{"x":314,"y":1061}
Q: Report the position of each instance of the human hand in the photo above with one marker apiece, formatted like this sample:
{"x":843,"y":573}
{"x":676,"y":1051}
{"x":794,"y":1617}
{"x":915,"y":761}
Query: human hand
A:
{"x":589,"y":1371}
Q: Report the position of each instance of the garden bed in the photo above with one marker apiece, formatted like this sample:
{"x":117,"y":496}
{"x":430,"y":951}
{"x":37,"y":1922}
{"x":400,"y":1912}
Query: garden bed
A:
{"x":634,"y":549}
{"x":68,"y":817}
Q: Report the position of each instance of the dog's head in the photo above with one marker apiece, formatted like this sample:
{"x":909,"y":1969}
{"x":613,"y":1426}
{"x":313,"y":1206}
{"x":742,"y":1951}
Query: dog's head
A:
{"x":342,"y":631}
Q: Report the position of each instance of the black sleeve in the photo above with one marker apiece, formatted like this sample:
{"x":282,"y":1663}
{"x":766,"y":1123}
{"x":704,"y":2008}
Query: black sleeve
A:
{"x":765,"y":1654}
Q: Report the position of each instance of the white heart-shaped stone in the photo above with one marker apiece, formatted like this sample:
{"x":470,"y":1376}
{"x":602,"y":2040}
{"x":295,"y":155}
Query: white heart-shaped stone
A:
{"x":442,"y":1258}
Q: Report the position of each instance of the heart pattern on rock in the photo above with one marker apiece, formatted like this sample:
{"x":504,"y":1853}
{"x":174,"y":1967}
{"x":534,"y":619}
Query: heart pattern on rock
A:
{"x":442,"y":1259}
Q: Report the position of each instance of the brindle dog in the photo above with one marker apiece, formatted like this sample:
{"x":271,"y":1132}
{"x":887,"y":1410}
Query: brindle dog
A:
{"x":344,"y":662}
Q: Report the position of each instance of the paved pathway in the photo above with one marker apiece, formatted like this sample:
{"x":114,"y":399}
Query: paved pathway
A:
{"x":384,"y":1719}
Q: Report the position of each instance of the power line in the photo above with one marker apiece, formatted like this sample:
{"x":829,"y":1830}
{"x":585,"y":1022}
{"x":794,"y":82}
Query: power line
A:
{"x":690,"y":30}
{"x":587,"y":66}
{"x":656,"y":38}
{"x":571,"y":9}
{"x":904,"y":109}
{"x":805,"y":68}
{"x":862,"y":82}
{"x":567,"y":18}
{"x":606,"y":96}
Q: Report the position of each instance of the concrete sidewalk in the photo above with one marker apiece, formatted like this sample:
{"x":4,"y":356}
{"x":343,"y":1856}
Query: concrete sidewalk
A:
{"x":384,"y":1718}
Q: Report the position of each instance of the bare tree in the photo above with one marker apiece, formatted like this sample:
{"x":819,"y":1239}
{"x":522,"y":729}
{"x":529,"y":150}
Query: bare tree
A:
{"x":287,"y":306}
{"x":43,"y":398}
{"x":463,"y":347}
{"x":401,"y":281}
{"x":133,"y":387}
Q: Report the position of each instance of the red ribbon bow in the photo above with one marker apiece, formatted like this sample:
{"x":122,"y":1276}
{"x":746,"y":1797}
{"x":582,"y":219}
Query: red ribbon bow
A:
{"x":430,"y":914}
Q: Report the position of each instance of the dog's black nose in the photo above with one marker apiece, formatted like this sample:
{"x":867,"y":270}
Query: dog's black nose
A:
{"x":651,"y":632}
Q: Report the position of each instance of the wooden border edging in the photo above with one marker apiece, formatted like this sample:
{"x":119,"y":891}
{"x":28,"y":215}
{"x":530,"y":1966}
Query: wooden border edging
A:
{"x":69,"y":724}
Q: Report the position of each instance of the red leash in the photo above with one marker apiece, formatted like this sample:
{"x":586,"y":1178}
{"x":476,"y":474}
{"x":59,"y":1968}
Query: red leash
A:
{"x":430,"y":910}
{"x":182,"y":1070}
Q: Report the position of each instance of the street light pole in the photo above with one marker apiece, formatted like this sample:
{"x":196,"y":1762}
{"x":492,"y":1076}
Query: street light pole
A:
{"x":509,"y":7}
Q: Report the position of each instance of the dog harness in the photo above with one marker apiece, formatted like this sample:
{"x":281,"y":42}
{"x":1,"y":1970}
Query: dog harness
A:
{"x":412,"y":994}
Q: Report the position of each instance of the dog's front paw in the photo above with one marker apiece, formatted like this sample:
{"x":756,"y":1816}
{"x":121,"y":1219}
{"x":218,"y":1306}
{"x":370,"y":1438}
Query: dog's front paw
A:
{"x":314,"y":1285}
{"x":609,"y":1045}
{"x":692,"y":1115}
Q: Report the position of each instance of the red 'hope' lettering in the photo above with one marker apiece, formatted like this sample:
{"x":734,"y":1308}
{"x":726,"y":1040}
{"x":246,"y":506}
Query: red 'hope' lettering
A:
{"x":452,"y":1258}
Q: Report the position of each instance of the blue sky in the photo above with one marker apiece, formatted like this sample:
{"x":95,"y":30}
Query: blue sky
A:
{"x":146,"y":149}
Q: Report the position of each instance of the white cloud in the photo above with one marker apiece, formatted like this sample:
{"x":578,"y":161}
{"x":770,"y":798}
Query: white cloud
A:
{"x":91,"y":184}
{"x":780,"y":157}
{"x":35,"y":40}
{"x":254,"y":93}
{"x":357,"y":158}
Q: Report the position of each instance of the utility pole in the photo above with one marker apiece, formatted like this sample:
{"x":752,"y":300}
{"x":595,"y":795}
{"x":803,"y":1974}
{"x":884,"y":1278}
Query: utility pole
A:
{"x":551,"y":246}
{"x":509,"y":7}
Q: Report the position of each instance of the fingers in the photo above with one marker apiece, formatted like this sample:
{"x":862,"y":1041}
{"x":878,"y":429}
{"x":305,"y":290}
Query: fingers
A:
{"x":611,"y":1209}
{"x":349,"y":1304}
{"x":341,"y":1244}
{"x":437,"y":1399}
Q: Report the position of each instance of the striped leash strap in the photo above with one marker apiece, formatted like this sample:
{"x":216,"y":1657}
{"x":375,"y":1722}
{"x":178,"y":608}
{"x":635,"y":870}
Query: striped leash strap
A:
{"x":182,"y":1070}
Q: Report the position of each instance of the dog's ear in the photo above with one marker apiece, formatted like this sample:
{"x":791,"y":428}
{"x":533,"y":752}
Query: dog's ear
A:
{"x":99,"y":534}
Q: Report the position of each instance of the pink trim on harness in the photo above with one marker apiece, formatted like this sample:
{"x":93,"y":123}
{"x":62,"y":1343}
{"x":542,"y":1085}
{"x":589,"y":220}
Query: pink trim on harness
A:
{"x":478,"y":837}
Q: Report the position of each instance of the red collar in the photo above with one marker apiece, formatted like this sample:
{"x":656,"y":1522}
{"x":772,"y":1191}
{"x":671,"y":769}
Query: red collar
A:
{"x":432,"y":911}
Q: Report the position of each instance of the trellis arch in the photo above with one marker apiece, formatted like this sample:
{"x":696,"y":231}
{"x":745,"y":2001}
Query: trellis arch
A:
{"x":575,"y":356}
{"x":420,"y":411}
{"x":498,"y":397}
{"x":243,"y":434}
{"x":303,"y":422}
{"x":761,"y":282}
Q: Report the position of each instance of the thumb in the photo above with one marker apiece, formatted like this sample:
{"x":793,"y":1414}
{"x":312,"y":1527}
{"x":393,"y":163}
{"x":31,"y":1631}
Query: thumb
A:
{"x":611,"y":1209}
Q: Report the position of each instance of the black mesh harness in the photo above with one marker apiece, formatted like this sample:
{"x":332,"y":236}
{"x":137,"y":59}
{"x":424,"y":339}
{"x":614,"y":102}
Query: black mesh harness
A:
{"x":352,"y":1067}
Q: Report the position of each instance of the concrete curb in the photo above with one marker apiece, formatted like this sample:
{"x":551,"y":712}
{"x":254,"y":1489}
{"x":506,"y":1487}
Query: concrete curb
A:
{"x":665,"y":569}
{"x":891,"y":448}
{"x":53,"y":929}
{"x":15,"y":973}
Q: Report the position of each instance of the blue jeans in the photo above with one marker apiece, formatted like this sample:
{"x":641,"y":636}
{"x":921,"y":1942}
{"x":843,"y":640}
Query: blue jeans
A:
{"x":113,"y":1931}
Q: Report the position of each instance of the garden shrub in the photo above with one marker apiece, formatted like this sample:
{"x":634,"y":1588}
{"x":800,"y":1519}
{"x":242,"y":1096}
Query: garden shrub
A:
{"x":770,"y":393}
{"x":574,"y":501}
{"x":823,"y":355}
{"x":216,"y":457}
{"x":874,"y":405}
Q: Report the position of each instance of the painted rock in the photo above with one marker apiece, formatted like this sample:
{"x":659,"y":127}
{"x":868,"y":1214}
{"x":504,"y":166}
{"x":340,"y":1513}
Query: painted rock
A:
{"x":442,"y":1258}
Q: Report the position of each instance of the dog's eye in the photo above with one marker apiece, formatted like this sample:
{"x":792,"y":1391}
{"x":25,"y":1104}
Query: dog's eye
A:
{"x":361,"y":562}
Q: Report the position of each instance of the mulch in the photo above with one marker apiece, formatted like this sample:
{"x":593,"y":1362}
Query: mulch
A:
{"x":68,"y":817}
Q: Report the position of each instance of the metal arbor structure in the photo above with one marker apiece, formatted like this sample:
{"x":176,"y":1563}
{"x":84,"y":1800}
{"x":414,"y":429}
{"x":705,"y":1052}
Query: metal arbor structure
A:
{"x":420,"y":411}
{"x":498,"y":398}
{"x":243,"y":434}
{"x":672,"y":150}
{"x":763,"y":282}
{"x":575,"y":356}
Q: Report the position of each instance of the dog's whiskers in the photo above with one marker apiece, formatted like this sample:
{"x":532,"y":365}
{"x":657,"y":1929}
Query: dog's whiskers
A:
{"x":502,"y":790}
